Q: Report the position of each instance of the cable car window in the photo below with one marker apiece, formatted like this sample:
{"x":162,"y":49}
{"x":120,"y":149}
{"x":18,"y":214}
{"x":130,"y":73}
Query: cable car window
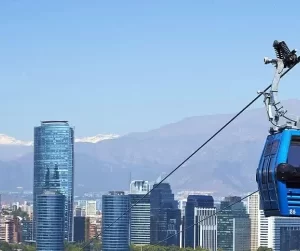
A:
{"x":264,"y":171}
{"x":270,"y":170}
{"x":294,"y":152}
{"x":275,"y":146}
{"x":268,"y":149}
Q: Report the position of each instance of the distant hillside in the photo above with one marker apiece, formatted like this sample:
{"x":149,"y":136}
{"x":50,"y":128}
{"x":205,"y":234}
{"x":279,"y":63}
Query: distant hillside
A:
{"x":226,"y":165}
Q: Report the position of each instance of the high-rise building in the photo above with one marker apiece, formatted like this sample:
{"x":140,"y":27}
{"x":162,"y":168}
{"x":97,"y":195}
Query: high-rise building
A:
{"x":10,"y":229}
{"x":50,"y":221}
{"x":173,"y":216}
{"x":91,"y":208}
{"x":26,"y":230}
{"x":116,"y":236}
{"x":205,"y":227}
{"x":194,"y":201}
{"x":253,"y":211}
{"x":140,"y":213}
{"x":263,"y":229}
{"x":233,"y":225}
{"x":283,"y":233}
{"x":54,"y":162}
{"x":162,"y":203}
{"x":81,"y":228}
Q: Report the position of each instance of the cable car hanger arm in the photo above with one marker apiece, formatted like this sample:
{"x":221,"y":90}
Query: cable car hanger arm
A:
{"x":284,"y":62}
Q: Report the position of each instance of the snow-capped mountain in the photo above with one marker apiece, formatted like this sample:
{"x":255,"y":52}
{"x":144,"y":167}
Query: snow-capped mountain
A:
{"x":97,"y":138}
{"x":8,"y":140}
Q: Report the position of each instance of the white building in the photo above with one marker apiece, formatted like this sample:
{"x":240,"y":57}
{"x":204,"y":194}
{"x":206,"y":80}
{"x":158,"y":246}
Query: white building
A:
{"x":253,"y":211}
{"x":91,"y":208}
{"x":206,"y":225}
{"x":139,"y":187}
{"x":140,"y":213}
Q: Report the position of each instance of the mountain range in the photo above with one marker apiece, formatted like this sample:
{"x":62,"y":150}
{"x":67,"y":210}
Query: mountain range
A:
{"x":226,"y":165}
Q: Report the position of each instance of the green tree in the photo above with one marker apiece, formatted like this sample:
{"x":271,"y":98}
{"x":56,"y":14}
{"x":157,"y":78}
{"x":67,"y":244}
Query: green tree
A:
{"x":4,"y":246}
{"x":163,"y":248}
{"x":264,"y":249}
{"x":20,"y":213}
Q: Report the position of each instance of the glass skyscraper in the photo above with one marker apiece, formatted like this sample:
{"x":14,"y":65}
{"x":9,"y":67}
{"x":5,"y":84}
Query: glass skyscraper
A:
{"x":50,"y":221}
{"x":54,"y":167}
{"x":234,"y":226}
{"x":140,"y":213}
{"x":115,"y":235}
{"x":165,"y":216}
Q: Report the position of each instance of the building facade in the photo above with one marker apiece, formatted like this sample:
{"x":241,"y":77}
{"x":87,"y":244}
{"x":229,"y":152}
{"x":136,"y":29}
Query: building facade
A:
{"x":115,"y":236}
{"x":162,"y":203}
{"x":253,"y":211}
{"x":54,"y":162}
{"x":10,"y":229}
{"x":81,"y":229}
{"x":233,"y":225}
{"x":173,"y":218}
{"x":279,"y":233}
{"x":263,"y":230}
{"x":26,"y":230}
{"x":139,"y":213}
{"x":194,"y":201}
{"x":50,"y":221}
{"x":91,"y":208}
{"x":205,"y":227}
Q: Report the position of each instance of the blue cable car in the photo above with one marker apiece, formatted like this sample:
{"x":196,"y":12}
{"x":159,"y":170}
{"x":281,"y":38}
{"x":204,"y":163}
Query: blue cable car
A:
{"x":278,"y":172}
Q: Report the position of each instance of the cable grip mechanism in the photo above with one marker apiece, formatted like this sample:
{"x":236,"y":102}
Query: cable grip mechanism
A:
{"x":284,"y":62}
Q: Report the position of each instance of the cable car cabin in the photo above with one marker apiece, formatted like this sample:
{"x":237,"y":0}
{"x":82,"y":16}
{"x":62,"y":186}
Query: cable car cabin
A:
{"x":278,"y":174}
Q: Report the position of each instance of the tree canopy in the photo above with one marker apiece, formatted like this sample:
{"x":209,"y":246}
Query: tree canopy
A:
{"x":163,"y":248}
{"x":264,"y":249}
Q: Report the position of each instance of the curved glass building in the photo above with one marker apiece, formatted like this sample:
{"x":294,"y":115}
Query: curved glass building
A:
{"x":115,"y":237}
{"x":50,"y":221}
{"x":54,"y":167}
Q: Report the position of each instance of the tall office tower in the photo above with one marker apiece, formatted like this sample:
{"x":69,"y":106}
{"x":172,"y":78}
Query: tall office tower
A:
{"x":253,"y":211}
{"x":81,"y":228}
{"x":205,"y":228}
{"x":140,"y":213}
{"x":194,"y":201}
{"x":181,"y":206}
{"x":116,"y":236}
{"x":233,"y":225}
{"x":173,"y":216}
{"x":54,"y":160}
{"x":91,"y":208}
{"x":50,"y":221}
{"x":164,"y":216}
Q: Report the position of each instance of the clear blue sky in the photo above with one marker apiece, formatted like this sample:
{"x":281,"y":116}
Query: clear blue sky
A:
{"x":124,"y":66}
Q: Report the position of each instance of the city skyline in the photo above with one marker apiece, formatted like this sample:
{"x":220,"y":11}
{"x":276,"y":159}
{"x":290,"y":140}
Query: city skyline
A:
{"x":146,"y":84}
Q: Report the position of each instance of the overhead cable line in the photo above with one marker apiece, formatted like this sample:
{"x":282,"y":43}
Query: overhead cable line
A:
{"x":183,"y":162}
